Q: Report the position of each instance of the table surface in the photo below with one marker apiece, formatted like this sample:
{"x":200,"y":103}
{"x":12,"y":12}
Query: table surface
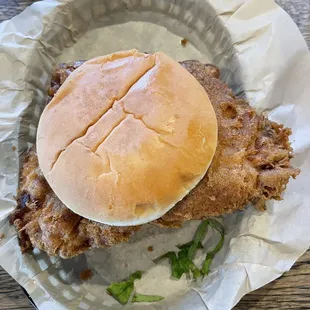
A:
{"x":291,"y":291}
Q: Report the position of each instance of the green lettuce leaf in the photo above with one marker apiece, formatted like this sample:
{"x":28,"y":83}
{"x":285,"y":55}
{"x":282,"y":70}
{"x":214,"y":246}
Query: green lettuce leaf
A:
{"x":146,"y":298}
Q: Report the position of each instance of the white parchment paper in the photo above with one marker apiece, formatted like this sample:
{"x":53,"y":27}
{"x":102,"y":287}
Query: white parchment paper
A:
{"x":262,"y":55}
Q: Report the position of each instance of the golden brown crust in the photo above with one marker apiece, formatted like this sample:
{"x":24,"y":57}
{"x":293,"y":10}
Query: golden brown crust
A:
{"x":43,"y":221}
{"x":251,"y":165}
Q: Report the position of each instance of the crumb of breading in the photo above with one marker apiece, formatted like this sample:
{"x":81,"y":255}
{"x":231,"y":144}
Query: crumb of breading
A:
{"x":86,"y":274}
{"x":184,"y":42}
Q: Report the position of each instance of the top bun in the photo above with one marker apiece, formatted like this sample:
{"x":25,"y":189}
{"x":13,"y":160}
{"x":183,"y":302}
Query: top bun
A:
{"x":126,"y":137}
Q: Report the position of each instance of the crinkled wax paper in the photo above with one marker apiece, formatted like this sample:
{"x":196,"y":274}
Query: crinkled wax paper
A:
{"x":262,"y":55}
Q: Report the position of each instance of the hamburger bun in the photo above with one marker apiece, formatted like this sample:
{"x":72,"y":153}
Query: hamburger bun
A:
{"x":126,"y":137}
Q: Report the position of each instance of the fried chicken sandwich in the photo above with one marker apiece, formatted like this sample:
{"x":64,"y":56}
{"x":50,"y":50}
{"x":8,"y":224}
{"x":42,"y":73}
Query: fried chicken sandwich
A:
{"x":132,"y":139}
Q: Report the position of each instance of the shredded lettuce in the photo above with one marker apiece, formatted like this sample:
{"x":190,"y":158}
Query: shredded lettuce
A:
{"x":210,"y":255}
{"x":146,"y":298}
{"x":198,"y":238}
{"x":182,"y":262}
{"x":122,"y":291}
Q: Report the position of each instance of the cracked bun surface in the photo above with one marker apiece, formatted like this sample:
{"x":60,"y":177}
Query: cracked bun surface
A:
{"x":126,"y":137}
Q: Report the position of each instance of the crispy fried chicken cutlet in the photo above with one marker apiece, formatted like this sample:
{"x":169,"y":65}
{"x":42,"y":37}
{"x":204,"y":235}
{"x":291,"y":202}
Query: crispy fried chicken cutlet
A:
{"x":250,"y":166}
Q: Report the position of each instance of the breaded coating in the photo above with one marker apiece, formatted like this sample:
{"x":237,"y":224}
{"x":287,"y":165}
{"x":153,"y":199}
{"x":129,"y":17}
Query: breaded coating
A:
{"x":251,"y":163}
{"x":250,"y":166}
{"x":43,"y":221}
